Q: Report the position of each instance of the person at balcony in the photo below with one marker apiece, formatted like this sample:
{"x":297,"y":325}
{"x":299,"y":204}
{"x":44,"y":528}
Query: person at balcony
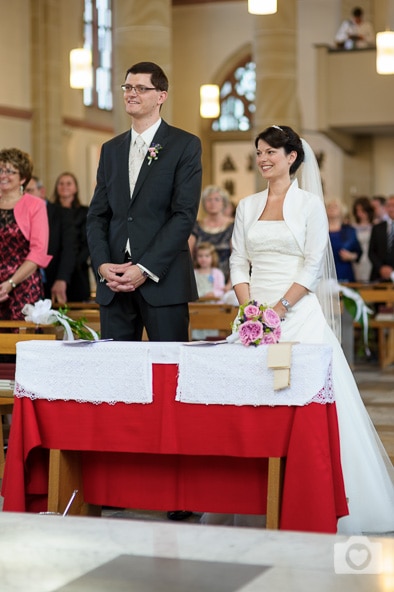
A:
{"x":215,"y":227}
{"x":62,"y":246}
{"x":344,"y":242}
{"x":381,"y":247}
{"x":355,"y":33}
{"x":66,"y":194}
{"x":24,"y":234}
{"x":282,"y":257}
{"x":363,"y":213}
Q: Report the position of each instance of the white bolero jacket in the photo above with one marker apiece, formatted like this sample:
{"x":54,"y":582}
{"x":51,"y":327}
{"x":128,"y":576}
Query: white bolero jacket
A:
{"x":304,"y":214}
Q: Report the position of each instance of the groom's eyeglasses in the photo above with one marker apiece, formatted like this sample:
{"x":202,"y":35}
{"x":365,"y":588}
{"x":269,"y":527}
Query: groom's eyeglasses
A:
{"x":139,"y":89}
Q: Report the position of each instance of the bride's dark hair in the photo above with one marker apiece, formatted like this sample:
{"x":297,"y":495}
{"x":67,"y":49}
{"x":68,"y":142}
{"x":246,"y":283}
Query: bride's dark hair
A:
{"x":284,"y":137}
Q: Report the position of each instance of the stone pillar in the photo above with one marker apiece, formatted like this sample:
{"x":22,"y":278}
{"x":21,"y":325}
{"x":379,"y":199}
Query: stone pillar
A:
{"x":46,"y":89}
{"x":141,"y":33}
{"x":275,"y":54}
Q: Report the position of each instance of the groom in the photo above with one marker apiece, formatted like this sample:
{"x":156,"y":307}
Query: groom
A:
{"x":143,"y":210}
{"x":140,"y":218}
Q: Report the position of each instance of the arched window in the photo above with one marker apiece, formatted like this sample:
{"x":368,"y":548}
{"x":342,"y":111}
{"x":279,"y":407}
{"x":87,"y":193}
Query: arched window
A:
{"x":237,"y":96}
{"x":98,"y":38}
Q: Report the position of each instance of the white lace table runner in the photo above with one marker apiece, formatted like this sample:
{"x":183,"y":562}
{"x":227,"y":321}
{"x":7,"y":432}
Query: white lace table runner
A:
{"x":237,"y":375}
{"x":98,"y":372}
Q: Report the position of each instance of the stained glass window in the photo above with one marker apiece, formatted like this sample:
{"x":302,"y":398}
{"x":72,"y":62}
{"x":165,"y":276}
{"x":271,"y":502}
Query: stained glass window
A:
{"x":237,"y":96}
{"x":98,"y":38}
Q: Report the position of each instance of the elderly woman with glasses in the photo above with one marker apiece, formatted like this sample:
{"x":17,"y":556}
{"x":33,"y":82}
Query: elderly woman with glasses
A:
{"x":215,"y":226}
{"x":23,"y":236}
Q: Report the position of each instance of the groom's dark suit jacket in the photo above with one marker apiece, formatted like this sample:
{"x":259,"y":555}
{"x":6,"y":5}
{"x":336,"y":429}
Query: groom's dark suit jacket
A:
{"x":158,"y":219}
{"x":378,"y":251}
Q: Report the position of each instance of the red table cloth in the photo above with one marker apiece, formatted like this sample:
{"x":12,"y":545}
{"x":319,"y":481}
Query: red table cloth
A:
{"x":169,"y":455}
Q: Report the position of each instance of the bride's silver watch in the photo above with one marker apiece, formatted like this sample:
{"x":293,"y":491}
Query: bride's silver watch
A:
{"x":285,"y":303}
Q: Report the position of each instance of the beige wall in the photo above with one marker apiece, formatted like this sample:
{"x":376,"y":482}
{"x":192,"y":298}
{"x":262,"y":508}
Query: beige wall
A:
{"x":205,"y":38}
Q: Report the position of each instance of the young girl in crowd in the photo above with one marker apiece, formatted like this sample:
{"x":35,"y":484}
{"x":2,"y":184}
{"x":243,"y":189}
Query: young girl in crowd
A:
{"x":210,"y":279}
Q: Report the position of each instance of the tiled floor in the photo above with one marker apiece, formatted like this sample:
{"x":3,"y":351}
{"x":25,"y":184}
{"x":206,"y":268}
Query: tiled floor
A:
{"x":377,"y":390}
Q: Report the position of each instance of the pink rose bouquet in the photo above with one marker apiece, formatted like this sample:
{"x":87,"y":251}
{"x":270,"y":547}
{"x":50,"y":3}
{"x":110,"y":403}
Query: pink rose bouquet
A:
{"x":257,"y":324}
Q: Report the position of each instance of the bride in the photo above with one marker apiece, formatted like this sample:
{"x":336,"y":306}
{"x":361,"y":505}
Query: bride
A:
{"x":281,"y":257}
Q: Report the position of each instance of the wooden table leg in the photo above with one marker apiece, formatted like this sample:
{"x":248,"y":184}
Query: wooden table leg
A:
{"x":6,"y":407}
{"x":65,"y":475}
{"x":276,"y":469}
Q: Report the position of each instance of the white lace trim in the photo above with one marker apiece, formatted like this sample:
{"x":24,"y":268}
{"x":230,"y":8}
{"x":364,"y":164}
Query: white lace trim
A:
{"x":112,"y":372}
{"x":103,"y":372}
{"x":236,"y":375}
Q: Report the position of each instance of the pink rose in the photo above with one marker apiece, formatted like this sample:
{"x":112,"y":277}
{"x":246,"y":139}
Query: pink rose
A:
{"x":251,"y":311}
{"x":250,"y":331}
{"x":278,"y":333}
{"x":271,"y":318}
{"x":269,"y":338}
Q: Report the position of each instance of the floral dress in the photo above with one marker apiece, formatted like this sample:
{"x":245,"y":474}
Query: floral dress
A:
{"x":14,"y":248}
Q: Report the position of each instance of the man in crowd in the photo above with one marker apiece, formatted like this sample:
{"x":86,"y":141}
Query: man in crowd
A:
{"x":381,"y":246}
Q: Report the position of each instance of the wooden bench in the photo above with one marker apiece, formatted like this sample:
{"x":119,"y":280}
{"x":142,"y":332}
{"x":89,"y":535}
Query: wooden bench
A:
{"x":379,"y":294}
{"x":204,"y":315}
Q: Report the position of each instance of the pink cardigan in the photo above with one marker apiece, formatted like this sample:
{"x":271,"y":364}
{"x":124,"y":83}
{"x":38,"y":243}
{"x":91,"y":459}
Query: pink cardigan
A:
{"x":31,"y":216}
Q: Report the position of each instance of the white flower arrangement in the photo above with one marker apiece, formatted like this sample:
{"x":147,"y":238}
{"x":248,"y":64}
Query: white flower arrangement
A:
{"x":41,"y":313}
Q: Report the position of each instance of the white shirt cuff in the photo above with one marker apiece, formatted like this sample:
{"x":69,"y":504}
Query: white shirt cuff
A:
{"x":151,"y":275}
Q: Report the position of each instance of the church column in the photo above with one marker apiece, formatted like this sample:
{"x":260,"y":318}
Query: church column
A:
{"x":46,"y":89}
{"x":141,"y":33}
{"x":275,"y":55}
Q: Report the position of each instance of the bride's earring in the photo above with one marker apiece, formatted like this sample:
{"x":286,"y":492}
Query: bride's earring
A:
{"x":21,"y":189}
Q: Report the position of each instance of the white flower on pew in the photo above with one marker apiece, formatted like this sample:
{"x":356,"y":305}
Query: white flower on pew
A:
{"x":361,"y":312}
{"x":41,"y":313}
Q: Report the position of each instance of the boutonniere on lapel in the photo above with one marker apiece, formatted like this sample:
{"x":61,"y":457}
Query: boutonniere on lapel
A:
{"x":153,"y":152}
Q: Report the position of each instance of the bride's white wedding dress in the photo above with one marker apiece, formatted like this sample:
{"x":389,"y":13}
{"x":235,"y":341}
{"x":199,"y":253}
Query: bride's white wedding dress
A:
{"x":368,"y":473}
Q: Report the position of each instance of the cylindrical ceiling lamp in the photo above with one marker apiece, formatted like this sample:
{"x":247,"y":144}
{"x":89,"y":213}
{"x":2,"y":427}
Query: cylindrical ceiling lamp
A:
{"x":209,"y":101}
{"x":262,"y":6}
{"x":385,"y":52}
{"x":81,"y":73}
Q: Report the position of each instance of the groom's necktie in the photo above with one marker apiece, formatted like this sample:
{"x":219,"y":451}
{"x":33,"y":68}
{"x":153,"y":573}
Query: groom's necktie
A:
{"x":136,"y":158}
{"x":137,"y":154}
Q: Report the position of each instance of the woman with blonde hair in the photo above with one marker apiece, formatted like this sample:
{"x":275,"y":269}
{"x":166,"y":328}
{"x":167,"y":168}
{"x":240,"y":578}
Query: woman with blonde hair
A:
{"x":209,"y":278}
{"x":344,"y":241}
{"x":215,"y":227}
